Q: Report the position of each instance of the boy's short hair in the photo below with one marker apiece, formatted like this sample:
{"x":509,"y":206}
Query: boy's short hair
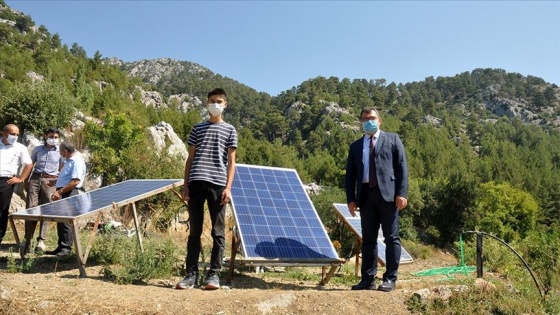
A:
{"x":217,"y":91}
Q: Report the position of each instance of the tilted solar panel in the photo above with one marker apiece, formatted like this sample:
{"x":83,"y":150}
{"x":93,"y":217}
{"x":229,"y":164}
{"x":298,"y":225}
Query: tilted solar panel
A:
{"x":356,"y":227}
{"x":275,"y":218}
{"x":99,"y":199}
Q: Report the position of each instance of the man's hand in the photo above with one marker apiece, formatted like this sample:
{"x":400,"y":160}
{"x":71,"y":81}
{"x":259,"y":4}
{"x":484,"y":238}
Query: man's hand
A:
{"x":352,"y":208}
{"x":56,"y":196}
{"x":401,"y":203}
{"x":14,"y":180}
{"x":226,"y":196}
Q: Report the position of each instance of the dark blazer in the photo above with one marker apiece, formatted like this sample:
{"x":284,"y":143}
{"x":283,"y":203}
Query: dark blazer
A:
{"x":391,"y":168}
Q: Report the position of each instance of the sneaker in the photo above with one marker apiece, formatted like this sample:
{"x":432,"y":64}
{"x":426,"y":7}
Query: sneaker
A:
{"x":40,"y":248}
{"x":212,"y":282}
{"x":188,"y":282}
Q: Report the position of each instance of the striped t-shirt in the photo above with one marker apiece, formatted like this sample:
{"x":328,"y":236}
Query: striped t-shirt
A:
{"x":211,"y":141}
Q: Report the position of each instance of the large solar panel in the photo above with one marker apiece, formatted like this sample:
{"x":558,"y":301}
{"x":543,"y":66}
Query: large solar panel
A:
{"x":72,"y":209}
{"x":100,"y":199}
{"x":356,"y":227}
{"x":275,"y":218}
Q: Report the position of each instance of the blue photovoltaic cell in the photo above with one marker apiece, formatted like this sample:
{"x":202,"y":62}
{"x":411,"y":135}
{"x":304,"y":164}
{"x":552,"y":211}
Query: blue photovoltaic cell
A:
{"x":356,"y":226}
{"x":99,"y":199}
{"x":275,"y":217}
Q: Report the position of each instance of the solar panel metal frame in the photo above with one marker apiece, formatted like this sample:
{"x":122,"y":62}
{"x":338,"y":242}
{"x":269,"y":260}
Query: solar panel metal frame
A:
{"x":355,"y":226}
{"x":253,"y":260}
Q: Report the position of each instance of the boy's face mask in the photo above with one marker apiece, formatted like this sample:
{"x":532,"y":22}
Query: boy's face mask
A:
{"x":215,"y":109}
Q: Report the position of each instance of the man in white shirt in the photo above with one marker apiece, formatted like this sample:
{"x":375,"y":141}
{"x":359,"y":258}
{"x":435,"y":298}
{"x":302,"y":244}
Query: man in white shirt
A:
{"x":12,"y":156}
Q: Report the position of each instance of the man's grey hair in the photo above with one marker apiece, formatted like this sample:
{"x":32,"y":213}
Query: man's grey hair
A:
{"x":68,"y":146}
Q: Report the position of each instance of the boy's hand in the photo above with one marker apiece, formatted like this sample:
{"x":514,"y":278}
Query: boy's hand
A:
{"x":226,"y":196}
{"x":185,"y":193}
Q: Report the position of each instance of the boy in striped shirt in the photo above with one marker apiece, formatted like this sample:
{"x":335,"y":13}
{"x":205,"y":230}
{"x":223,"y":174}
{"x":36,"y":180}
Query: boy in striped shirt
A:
{"x":209,"y":172}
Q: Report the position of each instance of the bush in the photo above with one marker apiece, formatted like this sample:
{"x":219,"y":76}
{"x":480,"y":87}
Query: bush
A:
{"x":124,"y":263}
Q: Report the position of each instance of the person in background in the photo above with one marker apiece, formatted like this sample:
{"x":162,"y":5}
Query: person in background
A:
{"x":377,"y":184}
{"x":69,"y":183}
{"x":47,"y":164}
{"x":13,"y":155}
{"x":209,"y":172}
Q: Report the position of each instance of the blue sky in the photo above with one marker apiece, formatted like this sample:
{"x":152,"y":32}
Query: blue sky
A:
{"x":273,"y":46}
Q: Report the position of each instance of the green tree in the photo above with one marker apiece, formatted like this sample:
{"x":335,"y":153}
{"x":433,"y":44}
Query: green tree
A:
{"x":78,"y":51}
{"x":112,"y":146}
{"x":507,"y":212}
{"x":34,"y":107}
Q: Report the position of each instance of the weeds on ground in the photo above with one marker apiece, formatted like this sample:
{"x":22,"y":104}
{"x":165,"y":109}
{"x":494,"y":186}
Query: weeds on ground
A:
{"x":15,"y":265}
{"x":501,"y":300}
{"x":124,"y":263}
{"x":417,"y":250}
{"x":516,"y":291}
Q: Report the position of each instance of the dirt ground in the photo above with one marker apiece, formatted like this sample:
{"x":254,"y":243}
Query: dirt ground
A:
{"x":53,"y":286}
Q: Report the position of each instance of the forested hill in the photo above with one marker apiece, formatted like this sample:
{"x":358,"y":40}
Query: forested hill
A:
{"x":483,"y":146}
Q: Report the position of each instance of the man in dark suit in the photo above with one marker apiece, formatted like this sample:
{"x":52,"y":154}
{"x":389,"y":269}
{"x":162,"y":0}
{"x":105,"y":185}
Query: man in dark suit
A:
{"x":377,"y":184}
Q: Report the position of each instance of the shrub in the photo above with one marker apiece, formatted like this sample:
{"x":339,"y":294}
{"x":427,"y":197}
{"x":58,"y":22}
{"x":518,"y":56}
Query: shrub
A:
{"x":124,"y":263}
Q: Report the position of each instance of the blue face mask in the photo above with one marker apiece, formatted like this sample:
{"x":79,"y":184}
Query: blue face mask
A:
{"x":370,"y":126}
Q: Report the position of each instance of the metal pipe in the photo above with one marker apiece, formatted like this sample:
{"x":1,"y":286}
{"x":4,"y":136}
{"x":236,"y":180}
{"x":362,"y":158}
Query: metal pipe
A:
{"x":479,"y":233}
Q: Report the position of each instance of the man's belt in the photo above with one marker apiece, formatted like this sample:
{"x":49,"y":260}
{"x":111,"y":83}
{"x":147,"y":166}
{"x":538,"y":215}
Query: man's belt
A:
{"x":45,"y":175}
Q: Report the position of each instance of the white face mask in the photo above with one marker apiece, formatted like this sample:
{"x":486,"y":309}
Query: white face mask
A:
{"x":52,"y":141}
{"x":12,"y":139}
{"x":215,"y":109}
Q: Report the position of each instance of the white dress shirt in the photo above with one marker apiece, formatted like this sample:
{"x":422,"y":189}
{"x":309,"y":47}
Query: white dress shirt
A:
{"x":12,"y":156}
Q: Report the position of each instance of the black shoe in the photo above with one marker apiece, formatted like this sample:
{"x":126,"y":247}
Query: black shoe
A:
{"x":387,"y":286}
{"x":364,"y":285}
{"x":63,"y":252}
{"x":53,"y":252}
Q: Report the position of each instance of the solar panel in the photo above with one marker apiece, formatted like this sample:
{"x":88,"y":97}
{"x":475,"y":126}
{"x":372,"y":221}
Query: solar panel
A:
{"x":100,"y":199}
{"x":72,"y":209}
{"x":356,"y":227}
{"x":275,"y":218}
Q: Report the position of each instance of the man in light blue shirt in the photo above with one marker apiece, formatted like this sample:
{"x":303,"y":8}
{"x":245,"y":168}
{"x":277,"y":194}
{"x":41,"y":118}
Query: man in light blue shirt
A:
{"x":69,"y":183}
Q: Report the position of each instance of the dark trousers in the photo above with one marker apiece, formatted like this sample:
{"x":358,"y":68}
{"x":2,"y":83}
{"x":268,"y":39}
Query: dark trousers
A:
{"x":6,"y":192}
{"x":64,"y":230}
{"x":200,"y":192}
{"x":375,"y":212}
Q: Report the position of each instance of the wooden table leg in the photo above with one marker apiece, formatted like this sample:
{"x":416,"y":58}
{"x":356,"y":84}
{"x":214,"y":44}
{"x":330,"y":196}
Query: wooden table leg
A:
{"x":234,"y":248}
{"x":78,"y":249}
{"x":137,"y":226}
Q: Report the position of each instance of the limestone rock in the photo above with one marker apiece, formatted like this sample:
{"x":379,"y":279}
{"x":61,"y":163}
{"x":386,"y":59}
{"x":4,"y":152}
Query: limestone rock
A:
{"x":160,"y":133}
